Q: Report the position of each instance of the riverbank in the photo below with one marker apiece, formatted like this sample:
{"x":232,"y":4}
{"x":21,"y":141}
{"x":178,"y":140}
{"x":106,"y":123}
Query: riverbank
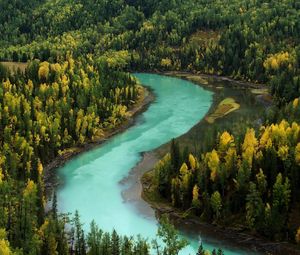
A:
{"x":205,"y":78}
{"x":50,"y":177}
{"x":238,"y":236}
{"x":213,"y":82}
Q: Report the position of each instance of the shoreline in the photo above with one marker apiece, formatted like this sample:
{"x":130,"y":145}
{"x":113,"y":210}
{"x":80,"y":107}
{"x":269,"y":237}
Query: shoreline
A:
{"x":210,"y":82}
{"x":240,"y":84}
{"x":234,"y":83}
{"x":51,"y":179}
{"x":238,"y":238}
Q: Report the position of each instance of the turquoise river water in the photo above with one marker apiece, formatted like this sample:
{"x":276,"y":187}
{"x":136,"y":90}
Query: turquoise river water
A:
{"x":91,"y":180}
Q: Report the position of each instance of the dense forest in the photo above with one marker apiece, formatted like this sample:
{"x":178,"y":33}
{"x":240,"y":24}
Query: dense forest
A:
{"x":251,"y":40}
{"x":76,"y":87}
{"x":249,"y":178}
{"x":47,"y":109}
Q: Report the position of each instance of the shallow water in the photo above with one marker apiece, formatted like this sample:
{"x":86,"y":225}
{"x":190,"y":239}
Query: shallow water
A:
{"x":91,"y":180}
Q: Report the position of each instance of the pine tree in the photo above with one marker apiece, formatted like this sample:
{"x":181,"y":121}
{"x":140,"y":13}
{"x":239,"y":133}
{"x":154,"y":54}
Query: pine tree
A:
{"x":254,"y":208}
{"x":115,"y":243}
{"x":80,"y":248}
{"x":216,"y":204}
{"x":94,"y":239}
{"x":175,"y":156}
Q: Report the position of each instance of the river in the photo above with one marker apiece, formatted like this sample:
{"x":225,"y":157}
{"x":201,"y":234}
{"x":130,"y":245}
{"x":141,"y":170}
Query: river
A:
{"x":91,"y":181}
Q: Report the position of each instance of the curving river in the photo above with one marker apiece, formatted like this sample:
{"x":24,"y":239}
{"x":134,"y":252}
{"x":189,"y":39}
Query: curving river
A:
{"x":91,"y":180}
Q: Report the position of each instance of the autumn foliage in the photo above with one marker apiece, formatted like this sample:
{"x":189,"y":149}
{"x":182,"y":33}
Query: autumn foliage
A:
{"x":256,"y":179}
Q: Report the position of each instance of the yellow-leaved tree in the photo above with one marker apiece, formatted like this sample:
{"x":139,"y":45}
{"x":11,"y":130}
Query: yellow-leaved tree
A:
{"x":275,"y":61}
{"x":193,"y":162}
{"x":4,"y":244}
{"x":43,"y":72}
{"x":185,"y":177}
{"x":295,"y":103}
{"x":226,"y":140}
{"x":283,"y":152}
{"x":196,"y":201}
{"x":213,"y":162}
{"x":249,"y":146}
{"x":40,"y":167}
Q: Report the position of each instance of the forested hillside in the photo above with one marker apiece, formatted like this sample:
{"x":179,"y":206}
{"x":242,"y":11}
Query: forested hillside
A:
{"x":76,"y":86}
{"x":252,"y":40}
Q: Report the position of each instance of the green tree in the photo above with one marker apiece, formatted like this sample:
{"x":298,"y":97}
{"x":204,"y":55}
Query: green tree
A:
{"x":216,"y":204}
{"x":169,"y":235}
{"x":94,"y":239}
{"x":254,"y":208}
{"x":80,"y":246}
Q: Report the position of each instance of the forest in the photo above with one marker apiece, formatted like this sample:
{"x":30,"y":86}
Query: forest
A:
{"x":249,"y":178}
{"x":77,"y":86}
